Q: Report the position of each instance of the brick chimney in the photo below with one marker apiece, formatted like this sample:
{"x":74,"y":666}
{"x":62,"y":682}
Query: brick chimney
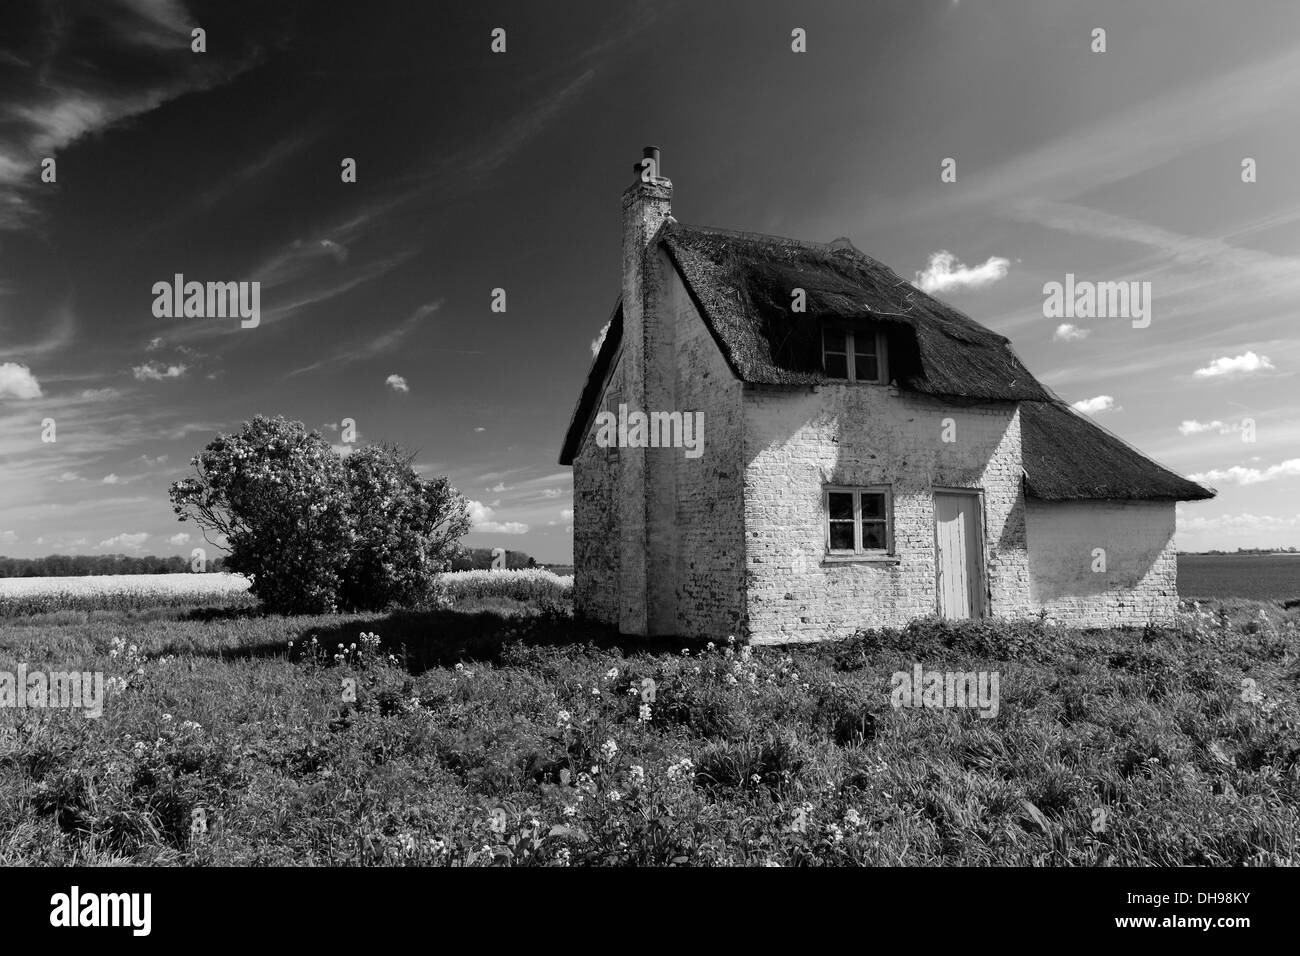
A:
{"x":646,"y":205}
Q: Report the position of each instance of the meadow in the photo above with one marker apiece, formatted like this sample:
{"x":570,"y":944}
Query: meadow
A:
{"x":497,"y":730}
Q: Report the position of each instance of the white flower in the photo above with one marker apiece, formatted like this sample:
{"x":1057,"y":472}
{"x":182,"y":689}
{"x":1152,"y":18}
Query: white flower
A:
{"x":609,"y":749}
{"x":611,"y":674}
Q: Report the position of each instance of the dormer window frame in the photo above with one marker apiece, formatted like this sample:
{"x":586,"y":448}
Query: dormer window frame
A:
{"x":850,"y":353}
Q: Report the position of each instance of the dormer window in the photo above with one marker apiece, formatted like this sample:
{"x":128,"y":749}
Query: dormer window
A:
{"x":854,"y":354}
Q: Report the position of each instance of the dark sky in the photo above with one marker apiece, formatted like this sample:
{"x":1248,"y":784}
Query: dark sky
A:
{"x":479,"y":171}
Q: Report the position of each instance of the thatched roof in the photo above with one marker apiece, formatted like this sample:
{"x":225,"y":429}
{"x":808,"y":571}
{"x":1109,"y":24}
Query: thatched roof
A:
{"x":1067,"y":456}
{"x":742,"y":285}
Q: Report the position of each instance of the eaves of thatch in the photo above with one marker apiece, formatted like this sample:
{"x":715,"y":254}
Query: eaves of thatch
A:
{"x":1069,"y":457}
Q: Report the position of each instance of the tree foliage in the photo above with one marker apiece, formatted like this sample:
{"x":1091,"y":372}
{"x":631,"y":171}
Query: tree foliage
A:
{"x":313,"y":531}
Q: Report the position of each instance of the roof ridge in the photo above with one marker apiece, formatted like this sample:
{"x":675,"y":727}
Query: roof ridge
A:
{"x":764,"y":237}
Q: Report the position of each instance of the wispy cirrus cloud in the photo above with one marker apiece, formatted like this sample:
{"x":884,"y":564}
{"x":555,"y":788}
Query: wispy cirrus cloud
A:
{"x":58,"y":89}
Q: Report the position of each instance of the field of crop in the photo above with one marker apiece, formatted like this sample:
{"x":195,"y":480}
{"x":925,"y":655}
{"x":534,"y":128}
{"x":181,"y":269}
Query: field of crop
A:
{"x":89,"y":595}
{"x":480,"y":736}
{"x":121,"y":592}
{"x":1257,"y":577}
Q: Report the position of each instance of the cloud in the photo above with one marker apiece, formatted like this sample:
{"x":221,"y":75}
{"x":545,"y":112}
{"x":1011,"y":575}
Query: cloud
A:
{"x":154,"y":462}
{"x":1242,"y":364}
{"x":1193,"y":427}
{"x":8,"y":537}
{"x":1237,"y":475}
{"x":479,"y":429}
{"x":551,"y":492}
{"x":383,"y":344}
{"x":1093,"y":406}
{"x":179,"y":539}
{"x":946,"y":274}
{"x":17,"y":381}
{"x":1244,"y":523}
{"x":481,"y":517}
{"x":157,"y":372}
{"x":566,"y":514}
{"x":68,"y":476}
{"x":499,"y":487}
{"x":397,"y":383}
{"x":111,"y":479}
{"x":599,"y":340}
{"x":124,"y":541}
{"x":1065,"y":332}
{"x":72,"y":86}
{"x":154,"y":344}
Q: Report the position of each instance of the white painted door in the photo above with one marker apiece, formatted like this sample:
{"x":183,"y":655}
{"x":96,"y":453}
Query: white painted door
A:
{"x":957,"y":555}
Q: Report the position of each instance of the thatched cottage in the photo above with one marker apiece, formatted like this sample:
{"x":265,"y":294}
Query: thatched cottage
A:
{"x":868,"y":454}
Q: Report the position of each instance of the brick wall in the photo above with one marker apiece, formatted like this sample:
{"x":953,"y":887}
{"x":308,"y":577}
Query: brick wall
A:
{"x":1141,"y":577}
{"x":798,"y":441}
{"x":596,"y":542}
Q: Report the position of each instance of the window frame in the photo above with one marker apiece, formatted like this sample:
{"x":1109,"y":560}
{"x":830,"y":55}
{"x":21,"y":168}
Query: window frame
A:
{"x":850,"y":354}
{"x":886,"y":492}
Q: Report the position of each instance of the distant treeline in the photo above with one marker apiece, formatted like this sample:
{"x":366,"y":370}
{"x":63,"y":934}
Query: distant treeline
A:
{"x":477,"y":559}
{"x":1290,"y":550}
{"x":81,"y":565}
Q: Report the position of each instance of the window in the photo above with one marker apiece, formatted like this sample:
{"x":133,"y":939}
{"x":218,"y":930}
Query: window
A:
{"x":858,"y":355}
{"x":858,"y":521}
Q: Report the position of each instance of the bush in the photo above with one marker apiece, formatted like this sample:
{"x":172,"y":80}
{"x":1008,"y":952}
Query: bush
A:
{"x":404,"y":530}
{"x":314,"y":533}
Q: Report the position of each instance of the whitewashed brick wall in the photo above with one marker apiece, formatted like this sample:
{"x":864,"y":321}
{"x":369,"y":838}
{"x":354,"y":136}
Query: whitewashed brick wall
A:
{"x":798,"y":441}
{"x":1140,"y":582}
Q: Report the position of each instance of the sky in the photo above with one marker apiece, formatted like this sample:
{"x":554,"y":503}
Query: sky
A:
{"x":480,"y":170}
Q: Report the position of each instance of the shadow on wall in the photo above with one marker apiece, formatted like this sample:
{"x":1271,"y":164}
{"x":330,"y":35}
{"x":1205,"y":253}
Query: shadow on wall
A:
{"x":1070,"y":540}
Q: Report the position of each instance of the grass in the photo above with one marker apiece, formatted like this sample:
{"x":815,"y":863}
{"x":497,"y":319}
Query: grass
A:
{"x":502,"y":732}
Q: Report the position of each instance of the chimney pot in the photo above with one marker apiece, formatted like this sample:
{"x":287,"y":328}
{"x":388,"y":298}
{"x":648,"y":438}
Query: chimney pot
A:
{"x":651,"y":153}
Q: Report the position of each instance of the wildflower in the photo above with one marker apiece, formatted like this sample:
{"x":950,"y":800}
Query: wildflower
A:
{"x":595,"y":692}
{"x":571,"y":810}
{"x":611,"y":674}
{"x":562,"y":718}
{"x":837,"y":835}
{"x":644,"y":714}
{"x":608,"y":750}
{"x":166,"y":718}
{"x":615,"y":796}
{"x":459,"y":666}
{"x":710,"y":646}
{"x":746,"y":653}
{"x":637,"y":774}
{"x":852,"y":818}
{"x":562,"y":856}
{"x":682,"y":768}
